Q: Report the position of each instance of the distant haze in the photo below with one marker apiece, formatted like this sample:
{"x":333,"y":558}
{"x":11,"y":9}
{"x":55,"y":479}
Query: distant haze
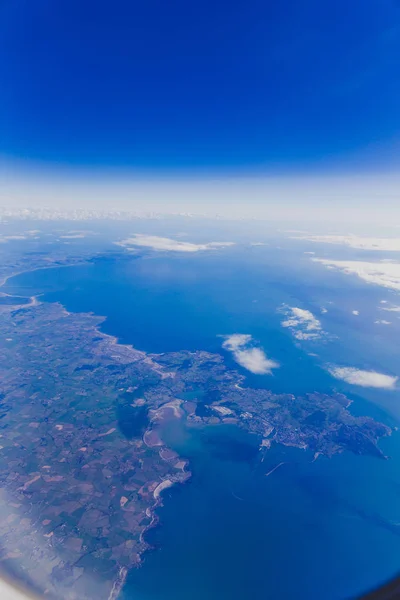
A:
{"x":281,"y":111}
{"x":342,"y":199}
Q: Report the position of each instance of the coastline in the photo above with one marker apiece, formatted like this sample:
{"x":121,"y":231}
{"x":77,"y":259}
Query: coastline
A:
{"x":137,"y":355}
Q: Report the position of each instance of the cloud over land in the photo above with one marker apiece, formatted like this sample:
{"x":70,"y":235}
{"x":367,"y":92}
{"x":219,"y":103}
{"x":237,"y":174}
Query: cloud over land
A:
{"x":247,"y":355}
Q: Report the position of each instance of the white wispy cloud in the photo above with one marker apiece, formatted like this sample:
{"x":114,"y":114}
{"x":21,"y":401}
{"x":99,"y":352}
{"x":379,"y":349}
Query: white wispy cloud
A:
{"x":391,"y":308}
{"x":382,"y":322}
{"x":355,"y":241}
{"x":379,"y":273}
{"x":247,"y":355}
{"x":19,"y":236}
{"x":371,"y":379}
{"x":73,"y":236}
{"x":303,"y":324}
{"x":355,"y":312}
{"x":167,"y":244}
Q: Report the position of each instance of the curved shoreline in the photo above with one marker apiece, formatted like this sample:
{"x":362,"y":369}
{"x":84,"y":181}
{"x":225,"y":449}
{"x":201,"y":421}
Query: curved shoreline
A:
{"x":127,"y":350}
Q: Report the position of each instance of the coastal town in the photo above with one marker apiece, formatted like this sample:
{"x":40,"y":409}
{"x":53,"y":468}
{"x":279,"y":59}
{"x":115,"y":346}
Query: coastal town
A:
{"x":83,"y":462}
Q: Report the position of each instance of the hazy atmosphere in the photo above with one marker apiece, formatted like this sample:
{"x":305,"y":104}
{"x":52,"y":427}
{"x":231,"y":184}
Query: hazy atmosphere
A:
{"x":277,"y":111}
{"x":199,"y":299}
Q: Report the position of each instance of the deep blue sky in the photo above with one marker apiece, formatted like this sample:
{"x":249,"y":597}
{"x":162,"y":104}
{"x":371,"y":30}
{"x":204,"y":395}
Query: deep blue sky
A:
{"x":211,"y":84}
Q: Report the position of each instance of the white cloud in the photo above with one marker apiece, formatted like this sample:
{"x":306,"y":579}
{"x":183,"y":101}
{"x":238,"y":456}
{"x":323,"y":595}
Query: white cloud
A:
{"x":73,"y":236}
{"x":324,"y":310}
{"x":248,"y":356}
{"x":19,"y":236}
{"x":392,"y":309}
{"x":382,"y":322}
{"x":236,"y":340}
{"x":167,"y":244}
{"x":354,"y":241}
{"x":384,"y":274}
{"x":363,"y":378}
{"x":303,"y":324}
{"x":355,"y":312}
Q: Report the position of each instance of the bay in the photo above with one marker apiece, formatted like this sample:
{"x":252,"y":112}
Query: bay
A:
{"x":324,"y":529}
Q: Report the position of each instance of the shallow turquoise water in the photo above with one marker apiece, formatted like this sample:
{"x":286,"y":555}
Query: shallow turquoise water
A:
{"x":309,"y":530}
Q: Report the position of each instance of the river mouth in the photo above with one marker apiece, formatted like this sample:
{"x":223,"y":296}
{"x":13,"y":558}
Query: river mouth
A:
{"x":245,"y":520}
{"x":231,"y":531}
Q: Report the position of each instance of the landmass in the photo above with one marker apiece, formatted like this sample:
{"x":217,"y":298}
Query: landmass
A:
{"x":83,"y":462}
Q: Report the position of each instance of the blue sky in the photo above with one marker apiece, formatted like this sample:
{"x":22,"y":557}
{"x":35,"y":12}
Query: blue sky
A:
{"x":156,"y":89}
{"x":260,"y":85}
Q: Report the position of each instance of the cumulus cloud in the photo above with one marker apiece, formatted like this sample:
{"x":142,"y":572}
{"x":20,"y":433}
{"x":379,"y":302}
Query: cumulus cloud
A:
{"x":167,"y":244}
{"x":371,"y":379}
{"x":247,"y":355}
{"x":355,"y":241}
{"x":384,"y":274}
{"x":303,"y":324}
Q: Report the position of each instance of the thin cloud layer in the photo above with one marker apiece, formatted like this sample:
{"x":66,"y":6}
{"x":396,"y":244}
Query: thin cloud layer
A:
{"x":26,"y":235}
{"x":166,"y":244}
{"x":302,"y":323}
{"x":371,"y":379}
{"x":354,"y":241}
{"x":247,"y":355}
{"x":73,"y":236}
{"x":381,"y":273}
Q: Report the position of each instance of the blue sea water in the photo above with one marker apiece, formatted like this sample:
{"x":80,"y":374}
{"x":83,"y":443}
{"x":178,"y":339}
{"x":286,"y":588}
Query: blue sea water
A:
{"x":324,"y":529}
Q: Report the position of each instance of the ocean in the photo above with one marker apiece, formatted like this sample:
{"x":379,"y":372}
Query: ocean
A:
{"x":310,"y":530}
